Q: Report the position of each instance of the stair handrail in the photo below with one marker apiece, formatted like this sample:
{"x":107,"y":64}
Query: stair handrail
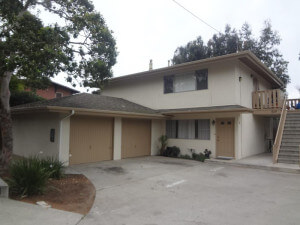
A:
{"x":279,"y":133}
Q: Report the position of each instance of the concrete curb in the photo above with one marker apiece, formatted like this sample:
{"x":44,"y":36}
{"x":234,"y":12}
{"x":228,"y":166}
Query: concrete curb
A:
{"x":261,"y":167}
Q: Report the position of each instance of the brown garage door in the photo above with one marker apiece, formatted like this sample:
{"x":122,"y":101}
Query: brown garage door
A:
{"x":91,"y":139}
{"x":225,"y":137}
{"x":136,"y":138}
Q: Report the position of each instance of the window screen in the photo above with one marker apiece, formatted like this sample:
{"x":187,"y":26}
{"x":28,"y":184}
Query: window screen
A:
{"x":203,"y":130}
{"x":186,"y":129}
{"x":171,"y":128}
{"x":184,"y":83}
{"x":201,"y":78}
{"x":168,"y":84}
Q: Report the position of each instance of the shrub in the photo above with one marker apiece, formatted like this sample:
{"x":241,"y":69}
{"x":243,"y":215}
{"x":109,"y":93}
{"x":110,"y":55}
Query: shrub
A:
{"x":186,"y":156}
{"x":171,"y":152}
{"x":23,"y":97}
{"x":27,"y":176}
{"x":207,"y":153}
{"x":54,"y":167}
{"x":163,"y":139}
{"x":199,"y":157}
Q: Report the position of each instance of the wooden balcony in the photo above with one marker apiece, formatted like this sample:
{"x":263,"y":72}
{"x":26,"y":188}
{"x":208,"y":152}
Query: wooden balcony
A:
{"x":267,"y":102}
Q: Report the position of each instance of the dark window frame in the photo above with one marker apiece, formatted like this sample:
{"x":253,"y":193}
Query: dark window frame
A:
{"x":201,"y":79}
{"x":196,"y":121}
{"x":169,"y":84}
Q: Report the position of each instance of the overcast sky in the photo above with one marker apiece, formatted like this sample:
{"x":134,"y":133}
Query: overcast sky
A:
{"x":153,"y":29}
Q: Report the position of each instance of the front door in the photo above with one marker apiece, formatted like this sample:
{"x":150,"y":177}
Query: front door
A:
{"x":225,"y":137}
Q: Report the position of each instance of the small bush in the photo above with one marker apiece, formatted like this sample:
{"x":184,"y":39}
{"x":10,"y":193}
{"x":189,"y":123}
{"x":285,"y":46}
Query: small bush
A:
{"x":163,"y":142}
{"x":23,"y":97}
{"x":54,"y":167}
{"x":171,"y":152}
{"x":207,"y":153}
{"x":199,"y":157}
{"x":27,"y":176}
{"x":186,"y":156}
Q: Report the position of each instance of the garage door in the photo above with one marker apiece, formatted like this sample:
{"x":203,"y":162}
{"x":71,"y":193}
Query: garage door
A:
{"x":136,"y":138}
{"x":91,"y":139}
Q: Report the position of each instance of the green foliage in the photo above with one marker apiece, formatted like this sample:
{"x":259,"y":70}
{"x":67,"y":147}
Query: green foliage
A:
{"x":199,"y":157}
{"x":171,"y":152}
{"x":207,"y":153}
{"x":54,"y":167}
{"x":83,"y":47}
{"x":23,"y":97}
{"x":27,"y":176}
{"x":231,"y":41}
{"x":186,"y":156}
{"x":163,"y":139}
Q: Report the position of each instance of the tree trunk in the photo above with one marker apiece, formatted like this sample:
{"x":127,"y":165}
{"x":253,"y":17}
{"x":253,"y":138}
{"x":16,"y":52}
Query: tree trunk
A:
{"x":5,"y":121}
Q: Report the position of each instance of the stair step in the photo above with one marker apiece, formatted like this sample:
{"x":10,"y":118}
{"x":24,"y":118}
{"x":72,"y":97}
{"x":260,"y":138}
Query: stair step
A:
{"x":290,"y":140}
{"x":292,"y":122}
{"x":290,"y":136}
{"x":291,"y":132}
{"x":288,"y":154}
{"x":288,"y":144}
{"x":294,"y":115}
{"x":288,"y":161}
{"x":292,"y":118}
{"x":291,"y":127}
{"x":297,"y":122}
{"x":288,"y":148}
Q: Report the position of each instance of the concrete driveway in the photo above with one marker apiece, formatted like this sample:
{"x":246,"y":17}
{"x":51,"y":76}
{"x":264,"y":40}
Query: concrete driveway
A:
{"x":158,"y":190}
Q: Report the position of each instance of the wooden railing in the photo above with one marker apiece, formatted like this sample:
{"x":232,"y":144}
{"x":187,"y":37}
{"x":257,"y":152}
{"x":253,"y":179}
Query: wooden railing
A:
{"x":292,"y":103}
{"x":279,"y":133}
{"x":267,"y":99}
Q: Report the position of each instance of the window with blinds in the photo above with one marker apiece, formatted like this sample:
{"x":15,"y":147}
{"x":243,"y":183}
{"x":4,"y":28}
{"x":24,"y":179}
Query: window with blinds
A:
{"x":197,"y":80}
{"x":188,"y":129}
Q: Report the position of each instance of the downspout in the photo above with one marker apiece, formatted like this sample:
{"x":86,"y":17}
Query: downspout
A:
{"x":240,"y":115}
{"x":60,"y":136}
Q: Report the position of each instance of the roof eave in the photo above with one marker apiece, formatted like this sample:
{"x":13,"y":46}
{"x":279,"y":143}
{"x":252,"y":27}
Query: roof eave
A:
{"x":84,"y":111}
{"x":171,"y":113}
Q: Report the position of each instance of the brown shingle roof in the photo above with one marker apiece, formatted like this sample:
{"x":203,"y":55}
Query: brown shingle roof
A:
{"x":90,"y":101}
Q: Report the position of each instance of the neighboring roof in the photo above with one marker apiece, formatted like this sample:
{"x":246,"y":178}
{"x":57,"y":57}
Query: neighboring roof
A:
{"x":63,"y":86}
{"x":87,"y":102}
{"x":247,"y":57}
{"x":229,"y":108}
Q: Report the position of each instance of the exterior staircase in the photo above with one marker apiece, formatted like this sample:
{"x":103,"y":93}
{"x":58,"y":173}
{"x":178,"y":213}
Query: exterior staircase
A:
{"x":289,"y":148}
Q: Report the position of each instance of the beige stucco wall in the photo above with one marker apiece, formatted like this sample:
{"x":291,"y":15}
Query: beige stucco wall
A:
{"x":244,"y":88}
{"x":200,"y":145}
{"x":253,"y":134}
{"x":31,"y":134}
{"x":150,"y":91}
{"x":117,"y":154}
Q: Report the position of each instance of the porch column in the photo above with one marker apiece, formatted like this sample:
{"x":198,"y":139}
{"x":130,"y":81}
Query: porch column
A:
{"x":117,"y":138}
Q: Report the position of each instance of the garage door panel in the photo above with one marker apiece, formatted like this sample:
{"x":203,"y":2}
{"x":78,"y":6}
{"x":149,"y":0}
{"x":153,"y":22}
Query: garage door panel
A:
{"x":136,"y":138}
{"x":91,"y":139}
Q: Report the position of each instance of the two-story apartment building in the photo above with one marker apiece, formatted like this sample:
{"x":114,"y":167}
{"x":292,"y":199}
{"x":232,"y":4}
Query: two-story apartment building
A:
{"x":208,"y":103}
{"x":225,"y":104}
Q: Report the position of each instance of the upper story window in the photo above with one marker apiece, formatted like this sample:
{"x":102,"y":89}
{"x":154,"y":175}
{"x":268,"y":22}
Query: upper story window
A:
{"x":58,"y":95}
{"x":189,"y":82}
